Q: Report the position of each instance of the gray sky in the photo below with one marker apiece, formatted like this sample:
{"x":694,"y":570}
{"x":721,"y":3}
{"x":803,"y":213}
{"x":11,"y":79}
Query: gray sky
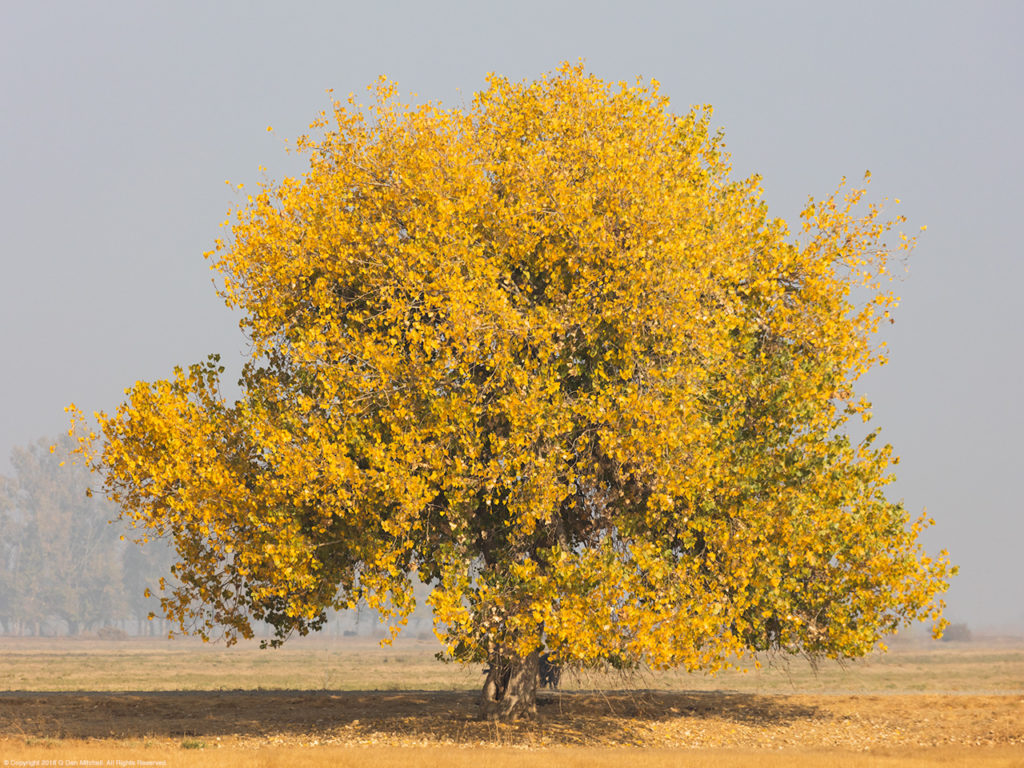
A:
{"x":120,"y":122}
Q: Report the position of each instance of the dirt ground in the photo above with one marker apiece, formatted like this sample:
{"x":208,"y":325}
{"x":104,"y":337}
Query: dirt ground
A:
{"x":339,"y":703}
{"x":409,"y":718}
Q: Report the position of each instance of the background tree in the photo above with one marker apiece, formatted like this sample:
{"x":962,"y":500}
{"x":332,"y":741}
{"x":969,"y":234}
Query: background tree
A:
{"x":8,"y":550}
{"x":145,"y":569}
{"x":543,"y":352}
{"x":62,"y":558}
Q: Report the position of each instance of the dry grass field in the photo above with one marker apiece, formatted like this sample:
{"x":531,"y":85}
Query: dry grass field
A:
{"x":326,"y":702}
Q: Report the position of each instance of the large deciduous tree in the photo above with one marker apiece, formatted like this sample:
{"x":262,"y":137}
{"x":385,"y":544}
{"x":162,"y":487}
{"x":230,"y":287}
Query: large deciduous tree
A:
{"x":544,"y":353}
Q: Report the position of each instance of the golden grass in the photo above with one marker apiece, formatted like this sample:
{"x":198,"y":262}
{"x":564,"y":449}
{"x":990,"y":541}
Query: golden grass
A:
{"x":170,"y":755}
{"x":611,"y":719}
{"x":324,"y":663}
{"x":332,"y":702}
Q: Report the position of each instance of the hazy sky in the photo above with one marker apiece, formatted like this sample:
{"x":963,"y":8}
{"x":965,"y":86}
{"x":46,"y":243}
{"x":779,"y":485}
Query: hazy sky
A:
{"x":120,"y":122}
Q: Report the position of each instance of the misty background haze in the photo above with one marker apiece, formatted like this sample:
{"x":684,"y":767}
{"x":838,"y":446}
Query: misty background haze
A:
{"x":121,"y":122}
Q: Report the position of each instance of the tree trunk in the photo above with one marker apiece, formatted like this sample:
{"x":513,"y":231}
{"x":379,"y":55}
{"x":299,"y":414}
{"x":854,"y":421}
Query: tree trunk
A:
{"x":510,"y":690}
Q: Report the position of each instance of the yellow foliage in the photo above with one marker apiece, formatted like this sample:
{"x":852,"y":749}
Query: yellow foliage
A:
{"x":545,"y":352}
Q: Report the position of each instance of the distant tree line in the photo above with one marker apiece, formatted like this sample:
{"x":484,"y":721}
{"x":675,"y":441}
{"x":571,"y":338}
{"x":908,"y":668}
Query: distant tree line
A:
{"x":64,"y":568}
{"x":69,"y":566}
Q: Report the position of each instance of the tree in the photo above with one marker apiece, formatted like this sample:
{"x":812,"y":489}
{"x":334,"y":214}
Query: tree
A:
{"x":144,"y":569}
{"x":542,"y":352}
{"x":60,"y":559}
{"x":8,"y":552}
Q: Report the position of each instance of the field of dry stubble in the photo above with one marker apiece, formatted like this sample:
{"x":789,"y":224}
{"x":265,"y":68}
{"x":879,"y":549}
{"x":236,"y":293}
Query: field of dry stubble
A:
{"x":348,"y":702}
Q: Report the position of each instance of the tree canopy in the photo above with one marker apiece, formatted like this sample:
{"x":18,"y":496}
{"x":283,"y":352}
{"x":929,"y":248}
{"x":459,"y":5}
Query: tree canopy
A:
{"x":543,"y":352}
